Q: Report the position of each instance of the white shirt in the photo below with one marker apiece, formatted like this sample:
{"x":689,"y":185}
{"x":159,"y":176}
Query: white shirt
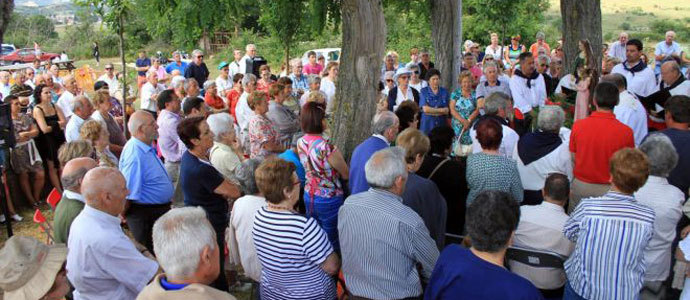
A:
{"x":102,"y":263}
{"x":233,"y":69}
{"x":243,"y":112}
{"x":568,"y":81}
{"x":401,"y":97}
{"x":642,"y":83}
{"x":534,"y":174}
{"x":681,"y":89}
{"x":631,"y":112}
{"x":541,"y":228}
{"x":64,"y":103}
{"x":617,"y":50}
{"x":223,"y":85}
{"x":240,"y":237}
{"x":508,"y":143}
{"x":147,"y":91}
{"x":525,"y":98}
{"x":72,"y":128}
{"x":328,"y":88}
{"x":666,"y":200}
{"x":243,"y":64}
{"x":419,"y":86}
{"x":73,"y":195}
{"x":113,"y":83}
{"x":497,"y":54}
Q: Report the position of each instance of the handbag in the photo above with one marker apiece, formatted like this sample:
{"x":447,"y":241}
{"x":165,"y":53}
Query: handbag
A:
{"x":461,"y":150}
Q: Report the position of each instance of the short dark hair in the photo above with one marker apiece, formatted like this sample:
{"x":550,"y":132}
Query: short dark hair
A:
{"x":275,"y":89}
{"x":524,"y":55}
{"x":164,"y":98}
{"x":237,"y":77}
{"x":285,"y":81}
{"x":489,"y":134}
{"x":431,"y":73}
{"x":99,"y":85}
{"x":188,"y":129}
{"x":606,"y":95}
{"x":192,"y":103}
{"x":635,"y":42}
{"x":441,"y":139}
{"x":406,"y":112}
{"x":310,"y":53}
{"x":491,"y":220}
{"x":557,"y":187}
{"x":311,"y":117}
{"x":679,"y":108}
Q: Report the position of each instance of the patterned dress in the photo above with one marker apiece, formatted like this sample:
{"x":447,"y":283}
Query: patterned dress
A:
{"x":438,"y":100}
{"x":492,"y":172}
{"x":465,"y":107}
{"x":24,"y":156}
{"x":261,"y":131}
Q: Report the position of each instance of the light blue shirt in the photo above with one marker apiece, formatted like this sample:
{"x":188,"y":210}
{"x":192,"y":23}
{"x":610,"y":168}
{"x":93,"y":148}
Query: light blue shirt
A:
{"x":298,"y":83}
{"x":173,"y":66}
{"x":147,"y":180}
{"x":666,"y":50}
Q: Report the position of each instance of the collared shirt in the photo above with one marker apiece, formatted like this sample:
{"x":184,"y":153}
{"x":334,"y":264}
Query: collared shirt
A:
{"x":64,"y":103}
{"x":223,"y":86}
{"x":534,"y":174}
{"x":631,"y":112}
{"x":72,"y":128}
{"x":105,"y":265}
{"x":224,"y":159}
{"x":286,"y":121}
{"x":358,"y":181}
{"x":610,"y":234}
{"x":382,"y":243}
{"x":198,"y":72}
{"x":73,"y":195}
{"x":113,"y":83}
{"x":169,"y":142}
{"x":524,"y":98}
{"x":233,"y":69}
{"x":617,"y":49}
{"x":666,"y":201}
{"x":298,"y":83}
{"x":508,"y":143}
{"x":485,"y":90}
{"x":641,"y":83}
{"x":147,"y":92}
{"x":147,"y":180}
{"x":174,"y":66}
{"x":243,"y":64}
{"x":243,"y":112}
{"x":541,"y":228}
{"x":662,"y":48}
{"x":240,"y":236}
{"x":142,"y":62}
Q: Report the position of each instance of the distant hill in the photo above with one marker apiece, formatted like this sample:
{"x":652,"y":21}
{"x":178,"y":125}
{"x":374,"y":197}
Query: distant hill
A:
{"x":44,"y":7}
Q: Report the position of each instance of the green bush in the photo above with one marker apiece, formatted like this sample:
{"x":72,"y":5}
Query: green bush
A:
{"x":625,"y":26}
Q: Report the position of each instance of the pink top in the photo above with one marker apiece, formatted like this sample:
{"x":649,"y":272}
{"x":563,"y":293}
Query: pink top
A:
{"x":312,"y":69}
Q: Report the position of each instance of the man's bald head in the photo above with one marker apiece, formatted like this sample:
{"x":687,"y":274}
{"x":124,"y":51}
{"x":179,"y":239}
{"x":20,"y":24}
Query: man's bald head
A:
{"x":74,"y":171}
{"x":143,"y":127}
{"x":105,"y":189}
{"x":670,"y":72}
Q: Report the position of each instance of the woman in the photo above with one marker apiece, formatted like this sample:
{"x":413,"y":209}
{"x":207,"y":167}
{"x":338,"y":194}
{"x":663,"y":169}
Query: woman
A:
{"x":103,"y":106}
{"x":510,"y":54}
{"x":328,"y":82}
{"x":263,"y":137}
{"x":402,"y":92}
{"x":463,"y":109}
{"x":212,"y":99}
{"x":226,"y":154}
{"x":488,"y":170}
{"x":314,"y":82}
{"x":93,"y":132}
{"x":434,"y":103}
{"x":325,"y":166}
{"x":408,"y":113}
{"x":51,"y":136}
{"x":389,"y":65}
{"x":297,"y":263}
{"x":493,"y":49}
{"x":233,"y":95}
{"x":202,"y":185}
{"x":96,"y":53}
{"x":265,"y":81}
{"x":242,"y":110}
{"x":156,"y":66}
{"x":75,"y":149}
{"x":223,"y":82}
{"x":24,"y":157}
{"x":415,"y":81}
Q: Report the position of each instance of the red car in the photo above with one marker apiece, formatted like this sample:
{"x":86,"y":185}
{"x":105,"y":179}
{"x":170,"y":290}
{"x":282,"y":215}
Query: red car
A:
{"x":26,"y":55}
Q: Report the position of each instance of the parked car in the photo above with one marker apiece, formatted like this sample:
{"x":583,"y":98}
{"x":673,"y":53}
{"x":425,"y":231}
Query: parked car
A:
{"x":26,"y":55}
{"x":330,"y":54}
{"x":7,"y":48}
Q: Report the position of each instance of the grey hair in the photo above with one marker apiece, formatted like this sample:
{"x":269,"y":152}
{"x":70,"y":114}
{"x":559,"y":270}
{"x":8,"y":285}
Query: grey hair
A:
{"x":661,"y":153}
{"x":77,"y":103}
{"x":179,"y":237}
{"x":490,"y":64}
{"x":208,"y":84}
{"x":551,"y":118}
{"x":674,"y":65}
{"x":197,"y":52}
{"x":495,"y":102}
{"x":383,"y":121}
{"x":189,"y":81}
{"x":17,"y":74}
{"x":385,"y":166}
{"x":617,"y":79}
{"x":151,"y":72}
{"x":73,"y":180}
{"x":249,"y":46}
{"x":247,"y":78}
{"x":244,"y":173}
{"x":540,"y":35}
{"x":294,"y":62}
{"x":313,"y":78}
{"x":220,"y":124}
{"x":544,"y":58}
{"x":178,"y":82}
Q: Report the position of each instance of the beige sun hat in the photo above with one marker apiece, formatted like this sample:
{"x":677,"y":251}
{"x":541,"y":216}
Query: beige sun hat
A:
{"x":28,"y":267}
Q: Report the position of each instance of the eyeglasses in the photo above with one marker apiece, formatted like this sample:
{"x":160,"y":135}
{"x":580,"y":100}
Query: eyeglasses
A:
{"x":389,"y":80}
{"x":543,"y":65}
{"x":404,"y":77}
{"x":416,"y":72}
{"x":108,"y":68}
{"x":199,"y":56}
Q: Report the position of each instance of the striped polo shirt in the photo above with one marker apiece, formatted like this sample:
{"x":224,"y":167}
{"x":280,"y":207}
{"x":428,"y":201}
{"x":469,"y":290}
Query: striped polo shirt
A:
{"x":291,"y":249}
{"x":610,"y":233}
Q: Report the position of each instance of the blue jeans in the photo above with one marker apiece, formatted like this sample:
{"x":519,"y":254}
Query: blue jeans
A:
{"x":570,"y":294}
{"x":325,"y":211}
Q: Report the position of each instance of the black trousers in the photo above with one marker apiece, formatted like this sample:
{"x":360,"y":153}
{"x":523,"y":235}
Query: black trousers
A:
{"x":140,"y":219}
{"x":221,"y":282}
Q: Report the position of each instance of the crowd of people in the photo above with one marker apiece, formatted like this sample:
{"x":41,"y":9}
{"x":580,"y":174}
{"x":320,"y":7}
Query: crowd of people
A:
{"x":238,"y":175}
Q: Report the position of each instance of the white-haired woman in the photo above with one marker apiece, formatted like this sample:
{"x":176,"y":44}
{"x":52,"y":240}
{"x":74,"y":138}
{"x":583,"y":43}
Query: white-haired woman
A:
{"x":242,"y":110}
{"x":226,"y":153}
{"x":212,"y":99}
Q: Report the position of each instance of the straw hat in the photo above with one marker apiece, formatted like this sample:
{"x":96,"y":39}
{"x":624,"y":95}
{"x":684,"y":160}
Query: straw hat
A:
{"x":401,"y":71}
{"x":28,"y":267}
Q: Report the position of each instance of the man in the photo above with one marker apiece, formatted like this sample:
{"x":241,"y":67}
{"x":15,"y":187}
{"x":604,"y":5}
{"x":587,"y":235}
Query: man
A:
{"x":528,"y":89}
{"x":71,"y":90}
{"x":542,"y":65}
{"x":185,"y":246}
{"x":197,"y":69}
{"x":593,"y":141}
{"x":667,"y":49}
{"x":143,"y":64}
{"x":672,"y":83}
{"x":300,"y":85}
{"x":177,"y":85}
{"x":425,"y":64}
{"x":640,"y":78}
{"x":150,"y":92}
{"x":223,"y":81}
{"x":4,"y":84}
{"x":234,"y":67}
{"x":312,"y":67}
{"x":386,"y":249}
{"x":385,"y":128}
{"x":191,"y":90}
{"x":30,"y":77}
{"x":82,"y":110}
{"x":111,"y":79}
{"x":677,"y":120}
{"x":72,"y":201}
{"x":629,"y":110}
{"x":105,"y":265}
{"x":497,"y":106}
{"x":541,"y":228}
{"x":176,"y":64}
{"x":540,"y":45}
{"x":610,"y":234}
{"x":171,"y":147}
{"x":246,"y":65}
{"x":618,"y":48}
{"x":478,"y":272}
{"x":195,"y":107}
{"x":54,"y":71}
{"x":287,"y":123}
{"x":150,"y":188}
{"x":492,"y":83}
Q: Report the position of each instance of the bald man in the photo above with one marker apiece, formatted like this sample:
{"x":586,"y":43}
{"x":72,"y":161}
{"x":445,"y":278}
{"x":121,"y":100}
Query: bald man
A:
{"x":81,"y":112}
{"x":102,"y":262}
{"x":72,"y":201}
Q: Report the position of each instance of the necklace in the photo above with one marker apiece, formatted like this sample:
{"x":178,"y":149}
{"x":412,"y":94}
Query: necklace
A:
{"x":280,"y":207}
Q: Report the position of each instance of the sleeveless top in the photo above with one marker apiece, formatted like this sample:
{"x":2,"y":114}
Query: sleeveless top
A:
{"x":514,"y":53}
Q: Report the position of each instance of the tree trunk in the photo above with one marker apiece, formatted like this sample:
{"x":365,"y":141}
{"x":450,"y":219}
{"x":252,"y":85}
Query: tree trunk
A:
{"x":446,"y":33}
{"x":125,"y":89}
{"x":6,"y":8}
{"x":364,"y":35}
{"x":287,"y":60}
{"x":581,"y":20}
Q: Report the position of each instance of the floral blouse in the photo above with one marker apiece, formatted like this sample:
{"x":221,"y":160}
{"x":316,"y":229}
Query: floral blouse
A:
{"x":465,"y":107}
{"x":261,"y":131}
{"x":322,"y":179}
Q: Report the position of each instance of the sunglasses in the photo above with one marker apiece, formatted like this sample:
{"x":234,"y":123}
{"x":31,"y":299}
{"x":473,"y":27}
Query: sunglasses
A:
{"x":389,"y":80}
{"x":403,"y":77}
{"x":108,"y":68}
{"x":543,"y":65}
{"x":200,"y":56}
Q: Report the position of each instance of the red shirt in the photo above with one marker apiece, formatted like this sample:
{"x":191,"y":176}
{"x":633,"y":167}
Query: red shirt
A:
{"x":233,"y":96}
{"x":214,"y":101}
{"x":594,"y":140}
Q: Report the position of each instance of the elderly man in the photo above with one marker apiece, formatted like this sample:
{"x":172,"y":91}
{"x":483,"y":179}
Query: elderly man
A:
{"x":542,"y":64}
{"x":666,"y":49}
{"x":192,"y":90}
{"x":385,"y":128}
{"x":176,"y":64}
{"x":171,"y":147}
{"x":234,"y":66}
{"x":497,"y":106}
{"x":677,"y":120}
{"x":54,"y":71}
{"x":105,"y":265}
{"x":149,"y":93}
{"x":287,"y":122}
{"x":299,"y":81}
{"x":246,"y":65}
{"x":82,"y":110}
{"x":539,"y":45}
{"x":195,"y":107}
{"x":110,"y":78}
{"x":150,"y":187}
{"x":71,"y":90}
{"x":425,"y":64}
{"x":4,"y":84}
{"x":72,"y":201}
{"x":177,"y":85}
{"x":381,"y":237}
{"x":226,"y":153}
{"x":197,"y":69}
{"x":629,"y":110}
{"x":640,"y":78}
{"x":528,"y":90}
{"x":618,"y":48}
{"x":142,"y":64}
{"x":188,"y":253}
{"x":672,"y":83}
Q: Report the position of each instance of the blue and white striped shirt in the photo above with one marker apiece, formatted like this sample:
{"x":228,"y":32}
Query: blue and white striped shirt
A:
{"x":610,"y":233}
{"x":382,"y":242}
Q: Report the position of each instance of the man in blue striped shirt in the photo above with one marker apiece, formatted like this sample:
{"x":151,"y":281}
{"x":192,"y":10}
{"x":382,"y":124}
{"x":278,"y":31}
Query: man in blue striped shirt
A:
{"x":611,"y":233}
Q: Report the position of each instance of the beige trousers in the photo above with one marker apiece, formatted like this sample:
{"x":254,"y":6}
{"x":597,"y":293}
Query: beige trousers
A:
{"x":581,"y":190}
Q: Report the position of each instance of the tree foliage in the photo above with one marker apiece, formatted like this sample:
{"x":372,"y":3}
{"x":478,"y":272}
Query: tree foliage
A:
{"x":481,"y":17}
{"x":283,"y":20}
{"x":23,"y":30}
